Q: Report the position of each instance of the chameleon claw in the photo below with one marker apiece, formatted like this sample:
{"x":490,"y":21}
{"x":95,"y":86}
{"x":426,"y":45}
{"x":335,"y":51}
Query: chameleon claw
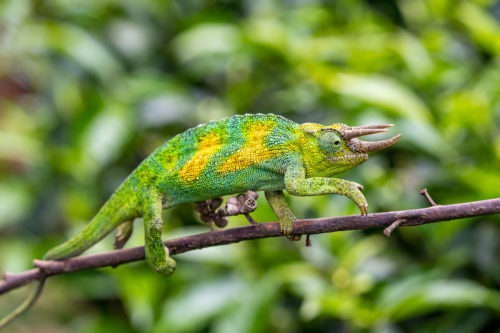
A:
{"x":286,"y":225}
{"x":286,"y":232}
{"x":364,"y":210}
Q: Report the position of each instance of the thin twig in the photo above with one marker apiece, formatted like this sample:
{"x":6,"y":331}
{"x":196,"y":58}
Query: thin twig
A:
{"x":233,"y":235}
{"x":308,"y":240}
{"x":250,"y":219}
{"x":388,"y":231}
{"x":426,"y":194}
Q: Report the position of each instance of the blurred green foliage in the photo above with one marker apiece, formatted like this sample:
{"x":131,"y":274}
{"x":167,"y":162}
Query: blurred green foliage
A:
{"x":89,"y":88}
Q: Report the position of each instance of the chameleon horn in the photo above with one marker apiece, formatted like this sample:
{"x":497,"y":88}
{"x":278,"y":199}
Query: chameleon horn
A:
{"x":366,"y":147}
{"x":380,"y":126}
{"x":354,"y":132}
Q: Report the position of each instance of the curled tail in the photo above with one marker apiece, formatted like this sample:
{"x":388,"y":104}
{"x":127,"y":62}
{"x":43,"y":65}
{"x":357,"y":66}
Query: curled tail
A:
{"x":121,"y":207}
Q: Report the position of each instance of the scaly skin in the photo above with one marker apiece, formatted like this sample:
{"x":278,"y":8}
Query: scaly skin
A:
{"x":233,"y":155}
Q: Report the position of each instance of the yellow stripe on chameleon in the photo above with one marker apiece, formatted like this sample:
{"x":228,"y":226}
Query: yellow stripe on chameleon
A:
{"x":253,"y":151}
{"x":207,"y":146}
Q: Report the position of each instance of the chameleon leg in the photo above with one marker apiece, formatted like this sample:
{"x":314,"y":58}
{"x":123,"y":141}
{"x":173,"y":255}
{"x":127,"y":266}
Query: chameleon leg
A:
{"x":278,"y":203}
{"x":157,"y":255}
{"x":297,"y":184}
{"x":123,"y":233}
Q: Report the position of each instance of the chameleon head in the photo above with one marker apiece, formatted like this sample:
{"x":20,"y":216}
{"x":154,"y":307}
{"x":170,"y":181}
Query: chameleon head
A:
{"x":337,"y":148}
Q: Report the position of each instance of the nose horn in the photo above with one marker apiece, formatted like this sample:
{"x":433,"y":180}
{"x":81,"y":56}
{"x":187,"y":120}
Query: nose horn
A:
{"x":366,"y":146}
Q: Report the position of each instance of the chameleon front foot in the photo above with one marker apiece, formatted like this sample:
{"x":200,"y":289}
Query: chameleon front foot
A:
{"x":355,"y":193}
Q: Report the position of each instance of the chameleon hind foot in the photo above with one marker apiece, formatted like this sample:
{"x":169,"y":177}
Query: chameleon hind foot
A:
{"x":286,"y":223}
{"x":286,"y":226}
{"x":165,"y":267}
{"x":157,"y":255}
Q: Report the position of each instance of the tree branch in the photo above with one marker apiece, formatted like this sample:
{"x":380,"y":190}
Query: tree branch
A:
{"x":412,"y":217}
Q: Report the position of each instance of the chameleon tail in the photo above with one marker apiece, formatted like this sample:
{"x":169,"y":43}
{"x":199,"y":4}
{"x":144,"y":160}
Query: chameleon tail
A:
{"x":118,"y":209}
{"x":25,"y":306}
{"x":97,"y":229}
{"x":121,"y":207}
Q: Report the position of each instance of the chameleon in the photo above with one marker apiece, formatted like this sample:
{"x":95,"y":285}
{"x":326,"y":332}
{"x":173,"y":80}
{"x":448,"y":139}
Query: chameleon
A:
{"x":257,"y":152}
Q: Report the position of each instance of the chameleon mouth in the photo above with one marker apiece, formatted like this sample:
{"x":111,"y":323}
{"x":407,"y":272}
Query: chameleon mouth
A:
{"x":351,"y":135}
{"x":349,"y":158}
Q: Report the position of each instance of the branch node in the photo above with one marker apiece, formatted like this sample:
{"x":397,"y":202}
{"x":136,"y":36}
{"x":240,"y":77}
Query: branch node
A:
{"x":42,"y":265}
{"x":388,"y":231}
{"x":49,"y":267}
{"x":426,"y":194}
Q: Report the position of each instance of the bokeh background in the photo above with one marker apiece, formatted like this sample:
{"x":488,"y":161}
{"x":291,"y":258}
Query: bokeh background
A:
{"x":89,"y":88}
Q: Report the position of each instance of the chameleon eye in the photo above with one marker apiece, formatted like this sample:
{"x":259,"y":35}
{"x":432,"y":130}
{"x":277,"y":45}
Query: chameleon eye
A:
{"x":330,"y":141}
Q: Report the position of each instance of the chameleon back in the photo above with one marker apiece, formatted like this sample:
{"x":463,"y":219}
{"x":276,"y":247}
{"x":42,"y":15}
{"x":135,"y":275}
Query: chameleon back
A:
{"x":231,"y":155}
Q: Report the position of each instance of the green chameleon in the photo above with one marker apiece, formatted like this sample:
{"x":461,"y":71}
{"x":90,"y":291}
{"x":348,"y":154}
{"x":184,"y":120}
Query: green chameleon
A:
{"x":261,"y":152}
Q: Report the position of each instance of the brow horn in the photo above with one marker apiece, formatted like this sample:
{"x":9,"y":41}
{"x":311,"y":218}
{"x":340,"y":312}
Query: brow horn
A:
{"x":354,"y":132}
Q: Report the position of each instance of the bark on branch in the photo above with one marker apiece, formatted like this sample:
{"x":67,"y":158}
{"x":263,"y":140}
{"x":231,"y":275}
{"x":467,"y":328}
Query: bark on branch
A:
{"x":412,"y":217}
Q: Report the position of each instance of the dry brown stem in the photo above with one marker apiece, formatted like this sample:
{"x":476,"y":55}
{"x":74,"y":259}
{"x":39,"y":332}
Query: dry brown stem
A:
{"x":412,"y":217}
